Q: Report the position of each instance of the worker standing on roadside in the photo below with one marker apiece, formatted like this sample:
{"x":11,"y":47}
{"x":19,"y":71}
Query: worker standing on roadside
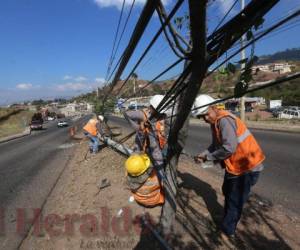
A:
{"x":236,"y":149}
{"x":92,"y":129}
{"x":150,"y":135}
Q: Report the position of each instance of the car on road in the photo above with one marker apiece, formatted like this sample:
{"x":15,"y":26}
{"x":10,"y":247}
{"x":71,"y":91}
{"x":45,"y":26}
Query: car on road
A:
{"x":36,"y":125}
{"x":289,"y":114}
{"x":62,"y":124}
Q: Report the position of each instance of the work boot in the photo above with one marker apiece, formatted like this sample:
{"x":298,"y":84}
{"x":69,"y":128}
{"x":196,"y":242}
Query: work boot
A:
{"x":228,"y":240}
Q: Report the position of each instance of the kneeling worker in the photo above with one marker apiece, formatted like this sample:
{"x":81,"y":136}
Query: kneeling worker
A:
{"x":236,"y":149}
{"x":91,"y":130}
{"x":143,"y":181}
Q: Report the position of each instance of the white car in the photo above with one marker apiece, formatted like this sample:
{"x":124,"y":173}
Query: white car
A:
{"x":61,"y":124}
{"x":289,"y":114}
{"x":50,"y":118}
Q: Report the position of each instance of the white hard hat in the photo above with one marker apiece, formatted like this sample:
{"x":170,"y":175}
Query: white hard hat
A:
{"x":101,"y":117}
{"x":155,"y":100}
{"x":201,"y":100}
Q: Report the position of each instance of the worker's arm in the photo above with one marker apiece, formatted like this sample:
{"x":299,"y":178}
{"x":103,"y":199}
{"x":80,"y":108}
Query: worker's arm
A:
{"x":135,"y":118}
{"x":229,"y":141}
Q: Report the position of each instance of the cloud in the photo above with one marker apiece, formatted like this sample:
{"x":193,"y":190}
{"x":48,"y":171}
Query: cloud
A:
{"x":73,"y":87}
{"x":24,"y":86}
{"x":80,"y":79}
{"x":75,"y":78}
{"x":67,"y":77}
{"x":99,"y":80}
{"x":118,"y":3}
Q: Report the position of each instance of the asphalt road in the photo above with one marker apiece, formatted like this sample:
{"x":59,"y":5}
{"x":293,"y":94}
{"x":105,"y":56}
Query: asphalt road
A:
{"x":279,"y":182}
{"x":29,"y":168}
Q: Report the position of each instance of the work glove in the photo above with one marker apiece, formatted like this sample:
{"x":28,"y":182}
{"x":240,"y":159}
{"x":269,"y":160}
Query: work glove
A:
{"x":201,"y":157}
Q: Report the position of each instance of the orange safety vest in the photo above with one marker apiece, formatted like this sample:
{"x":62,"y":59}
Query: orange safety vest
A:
{"x":150,"y":194}
{"x":91,"y":127}
{"x":159,"y":132}
{"x":248,"y":153}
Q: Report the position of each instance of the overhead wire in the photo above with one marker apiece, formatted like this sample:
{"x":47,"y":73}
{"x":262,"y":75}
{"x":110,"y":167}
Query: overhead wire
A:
{"x":124,"y":28}
{"x":270,"y":29}
{"x":170,"y":16}
{"x":265,"y":85}
{"x":115,"y":40}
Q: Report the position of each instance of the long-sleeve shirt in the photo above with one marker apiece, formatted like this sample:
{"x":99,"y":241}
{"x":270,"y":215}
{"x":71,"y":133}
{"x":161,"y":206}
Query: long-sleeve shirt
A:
{"x":221,"y":151}
{"x":135,"y":118}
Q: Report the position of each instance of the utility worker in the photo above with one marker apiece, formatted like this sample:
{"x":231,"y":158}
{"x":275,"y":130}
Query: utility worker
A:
{"x":143,"y":181}
{"x":150,"y":136}
{"x":91,"y":130}
{"x":236,"y":149}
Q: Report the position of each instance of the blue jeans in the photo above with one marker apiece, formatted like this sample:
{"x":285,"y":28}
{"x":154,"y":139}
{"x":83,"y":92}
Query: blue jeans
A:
{"x":236,"y":191}
{"x":94,"y":142}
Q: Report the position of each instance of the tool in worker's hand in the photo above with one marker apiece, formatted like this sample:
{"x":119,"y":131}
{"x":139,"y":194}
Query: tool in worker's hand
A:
{"x":206,"y":164}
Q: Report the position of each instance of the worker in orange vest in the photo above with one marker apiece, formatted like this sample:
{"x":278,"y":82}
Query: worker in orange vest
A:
{"x":91,"y":130}
{"x":150,"y":135}
{"x":236,"y":149}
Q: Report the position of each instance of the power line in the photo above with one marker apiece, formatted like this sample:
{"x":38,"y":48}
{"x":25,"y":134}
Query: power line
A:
{"x":172,"y":13}
{"x":267,"y":84}
{"x":164,"y":102}
{"x":227,"y":13}
{"x":115,"y":40}
{"x":267,"y":31}
{"x":122,"y":33}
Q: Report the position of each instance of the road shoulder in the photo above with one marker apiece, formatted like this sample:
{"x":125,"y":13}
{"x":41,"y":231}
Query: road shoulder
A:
{"x":107,"y":219}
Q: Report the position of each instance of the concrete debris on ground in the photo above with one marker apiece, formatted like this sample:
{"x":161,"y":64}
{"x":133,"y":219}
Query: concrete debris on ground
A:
{"x":78,"y":216}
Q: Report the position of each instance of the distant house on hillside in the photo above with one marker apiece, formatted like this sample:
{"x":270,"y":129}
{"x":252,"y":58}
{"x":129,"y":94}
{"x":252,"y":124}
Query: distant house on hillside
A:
{"x":280,"y":68}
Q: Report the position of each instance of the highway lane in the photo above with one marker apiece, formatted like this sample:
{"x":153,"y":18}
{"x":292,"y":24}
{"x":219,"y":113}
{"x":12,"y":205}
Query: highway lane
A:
{"x":29,"y":167}
{"x":279,"y":182}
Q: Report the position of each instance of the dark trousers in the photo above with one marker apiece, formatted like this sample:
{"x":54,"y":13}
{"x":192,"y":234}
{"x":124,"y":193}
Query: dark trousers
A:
{"x":236,"y":190}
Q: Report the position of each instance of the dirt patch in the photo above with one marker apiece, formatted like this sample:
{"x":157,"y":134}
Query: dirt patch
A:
{"x":89,"y":218}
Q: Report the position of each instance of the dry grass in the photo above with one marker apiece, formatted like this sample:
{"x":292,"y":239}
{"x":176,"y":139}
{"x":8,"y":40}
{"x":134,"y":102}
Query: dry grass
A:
{"x":15,"y":123}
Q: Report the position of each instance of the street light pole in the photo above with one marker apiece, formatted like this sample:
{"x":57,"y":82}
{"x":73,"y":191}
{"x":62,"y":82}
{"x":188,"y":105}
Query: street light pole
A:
{"x":243,"y":56}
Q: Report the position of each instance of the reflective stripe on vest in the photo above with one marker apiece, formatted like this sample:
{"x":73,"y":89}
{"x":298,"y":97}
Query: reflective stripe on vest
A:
{"x":248,"y":153}
{"x":242,"y":137}
{"x":150,"y":193}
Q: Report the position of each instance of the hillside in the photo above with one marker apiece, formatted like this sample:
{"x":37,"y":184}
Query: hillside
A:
{"x":217,"y":84}
{"x":287,"y":55}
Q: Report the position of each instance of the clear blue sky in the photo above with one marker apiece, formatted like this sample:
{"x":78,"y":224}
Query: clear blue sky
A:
{"x":62,"y":47}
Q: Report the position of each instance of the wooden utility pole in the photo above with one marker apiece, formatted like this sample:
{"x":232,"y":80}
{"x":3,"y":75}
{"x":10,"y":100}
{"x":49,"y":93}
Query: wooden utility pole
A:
{"x":243,"y":56}
{"x":178,"y":132}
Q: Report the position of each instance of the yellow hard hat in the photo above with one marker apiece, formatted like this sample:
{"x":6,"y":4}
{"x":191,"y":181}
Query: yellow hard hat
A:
{"x":137,"y":164}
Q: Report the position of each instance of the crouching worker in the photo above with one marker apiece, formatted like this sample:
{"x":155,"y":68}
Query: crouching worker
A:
{"x":92,"y":130}
{"x":150,"y":136}
{"x":236,"y":149}
{"x":143,"y":181}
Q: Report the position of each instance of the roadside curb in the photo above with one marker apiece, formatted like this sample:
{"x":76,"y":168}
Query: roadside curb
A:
{"x":251,"y":125}
{"x":26,"y":132}
{"x":259,"y":126}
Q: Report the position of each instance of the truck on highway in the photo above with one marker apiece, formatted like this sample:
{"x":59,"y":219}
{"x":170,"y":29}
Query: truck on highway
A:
{"x":36,"y":121}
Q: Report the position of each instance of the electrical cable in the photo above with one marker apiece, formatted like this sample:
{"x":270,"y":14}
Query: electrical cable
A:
{"x":115,"y":40}
{"x":172,"y":13}
{"x":264,"y":85}
{"x":125,"y":25}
